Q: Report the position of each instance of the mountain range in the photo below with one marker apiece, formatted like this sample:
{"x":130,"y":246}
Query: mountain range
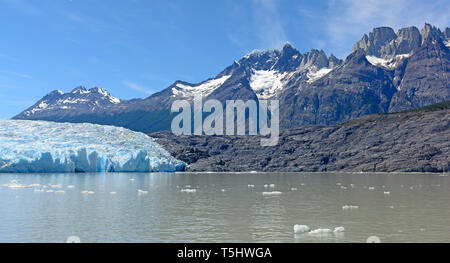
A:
{"x":387,"y":71}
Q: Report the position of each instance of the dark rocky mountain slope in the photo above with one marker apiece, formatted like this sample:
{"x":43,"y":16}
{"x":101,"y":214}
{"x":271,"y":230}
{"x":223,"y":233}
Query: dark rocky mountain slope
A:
{"x":413,"y":141}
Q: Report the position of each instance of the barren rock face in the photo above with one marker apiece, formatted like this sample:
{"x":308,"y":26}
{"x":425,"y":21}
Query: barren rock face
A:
{"x":407,"y":40}
{"x":425,"y":79}
{"x":410,"y":142}
{"x":377,"y":39}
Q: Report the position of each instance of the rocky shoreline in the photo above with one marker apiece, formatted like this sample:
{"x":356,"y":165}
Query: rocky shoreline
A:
{"x":413,"y":141}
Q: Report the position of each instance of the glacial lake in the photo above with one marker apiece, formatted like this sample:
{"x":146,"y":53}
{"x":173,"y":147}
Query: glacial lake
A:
{"x":224,"y":207}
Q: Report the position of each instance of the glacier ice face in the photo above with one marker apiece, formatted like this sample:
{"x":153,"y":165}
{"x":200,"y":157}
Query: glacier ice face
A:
{"x":40,"y":146}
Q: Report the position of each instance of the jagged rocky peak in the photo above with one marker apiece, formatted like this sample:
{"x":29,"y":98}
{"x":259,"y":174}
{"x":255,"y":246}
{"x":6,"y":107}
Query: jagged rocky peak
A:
{"x":431,"y":33}
{"x":54,"y":94}
{"x":408,"y":39}
{"x":378,"y":38}
{"x":289,"y":58}
{"x":79,"y":90}
{"x":334,"y":61}
{"x":79,"y":98}
{"x":314,"y":58}
{"x":447,"y":33}
{"x":263,"y":60}
{"x":383,"y":43}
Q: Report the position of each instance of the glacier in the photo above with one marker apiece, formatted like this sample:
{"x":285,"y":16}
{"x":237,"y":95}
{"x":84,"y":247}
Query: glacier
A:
{"x":50,"y":147}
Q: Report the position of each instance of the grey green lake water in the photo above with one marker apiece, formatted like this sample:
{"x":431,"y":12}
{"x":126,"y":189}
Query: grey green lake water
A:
{"x":224,"y":207}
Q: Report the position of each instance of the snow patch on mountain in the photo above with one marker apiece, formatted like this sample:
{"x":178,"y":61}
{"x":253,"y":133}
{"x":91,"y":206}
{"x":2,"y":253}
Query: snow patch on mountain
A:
{"x":267,"y":83}
{"x":389,"y":63}
{"x":40,"y":146}
{"x":203,"y":89}
{"x":42,"y":105}
{"x":316,"y":75}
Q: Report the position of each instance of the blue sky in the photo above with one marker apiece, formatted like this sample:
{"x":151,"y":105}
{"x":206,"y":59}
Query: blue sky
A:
{"x":134,"y":48}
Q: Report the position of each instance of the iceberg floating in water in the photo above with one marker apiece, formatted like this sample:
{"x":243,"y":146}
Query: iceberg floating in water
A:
{"x":41,"y":146}
{"x":301,"y":229}
{"x":321,"y":231}
{"x":274,"y":193}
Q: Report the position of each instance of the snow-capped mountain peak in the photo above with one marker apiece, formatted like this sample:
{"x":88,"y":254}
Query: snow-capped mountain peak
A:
{"x":204,"y":89}
{"x":80,"y":99}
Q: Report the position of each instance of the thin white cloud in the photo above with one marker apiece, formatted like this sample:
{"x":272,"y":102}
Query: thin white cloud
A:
{"x":269,"y":24}
{"x":17,"y":74}
{"x":6,"y":57}
{"x":137,"y":87}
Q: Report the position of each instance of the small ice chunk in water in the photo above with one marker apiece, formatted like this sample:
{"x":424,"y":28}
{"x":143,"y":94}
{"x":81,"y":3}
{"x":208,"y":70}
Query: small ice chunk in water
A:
{"x":251,"y":186}
{"x":17,"y":186}
{"x":50,"y":191}
{"x":56,"y":186}
{"x":39,"y":190}
{"x":142,"y":192}
{"x":132,"y":179}
{"x":387,"y":193}
{"x":223,"y":190}
{"x":71,"y":186}
{"x":339,"y":229}
{"x":371,"y":188}
{"x":112,"y":193}
{"x":189,"y":190}
{"x":321,"y":231}
{"x":350,"y":207}
{"x":301,"y":229}
{"x":60,"y":192}
{"x":294,"y":189}
{"x":273,"y":193}
{"x":86,"y":192}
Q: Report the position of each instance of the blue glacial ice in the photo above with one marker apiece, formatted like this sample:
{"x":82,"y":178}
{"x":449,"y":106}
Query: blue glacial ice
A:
{"x":41,"y":147}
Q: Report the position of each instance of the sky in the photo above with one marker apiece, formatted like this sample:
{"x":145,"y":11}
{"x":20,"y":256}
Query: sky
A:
{"x":134,"y":48}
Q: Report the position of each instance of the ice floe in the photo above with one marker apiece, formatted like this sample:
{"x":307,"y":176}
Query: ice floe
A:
{"x":301,"y":229}
{"x":273,"y":193}
{"x":339,"y":229}
{"x":188,"y":190}
{"x":350,"y":207}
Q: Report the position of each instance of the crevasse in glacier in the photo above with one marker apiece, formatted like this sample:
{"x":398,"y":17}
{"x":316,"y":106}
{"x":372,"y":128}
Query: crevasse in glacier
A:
{"x":40,"y":146}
